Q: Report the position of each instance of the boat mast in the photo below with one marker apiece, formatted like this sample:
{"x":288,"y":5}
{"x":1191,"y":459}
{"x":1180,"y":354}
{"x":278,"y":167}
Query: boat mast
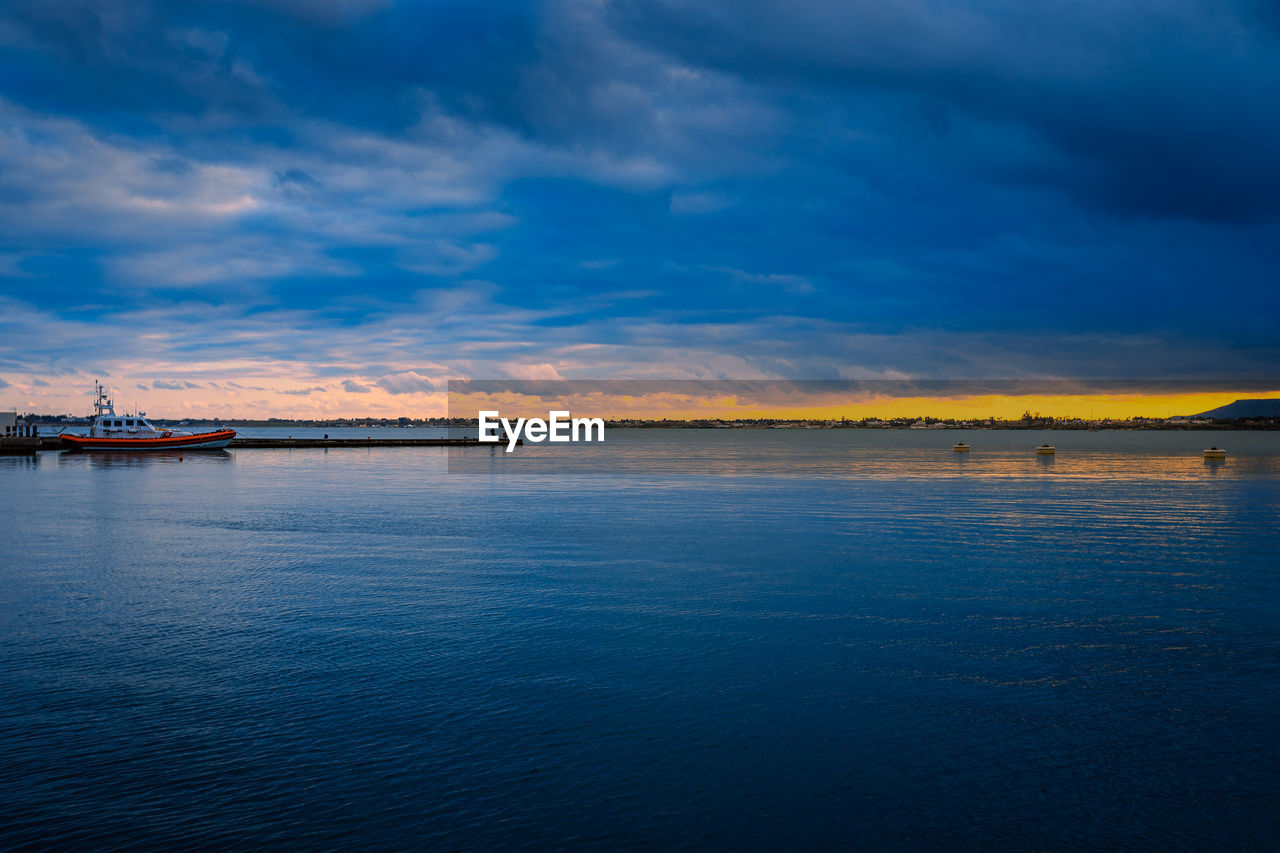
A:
{"x":101,"y":403}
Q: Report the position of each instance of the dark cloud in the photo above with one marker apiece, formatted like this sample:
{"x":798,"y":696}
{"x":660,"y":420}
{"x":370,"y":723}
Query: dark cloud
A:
{"x":798,"y":189}
{"x":352,"y":387}
{"x":128,"y":58}
{"x":296,"y":177}
{"x":1158,"y":110}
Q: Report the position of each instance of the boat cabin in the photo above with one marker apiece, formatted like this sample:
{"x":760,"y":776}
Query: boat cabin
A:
{"x":107,"y":424}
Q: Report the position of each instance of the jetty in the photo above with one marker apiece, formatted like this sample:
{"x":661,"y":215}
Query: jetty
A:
{"x":51,"y":442}
{"x":17,"y":439}
{"x":263,"y":443}
{"x":12,"y":445}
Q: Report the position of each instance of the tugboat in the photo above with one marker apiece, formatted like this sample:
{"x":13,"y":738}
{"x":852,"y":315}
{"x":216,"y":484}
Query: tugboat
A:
{"x":109,"y":431}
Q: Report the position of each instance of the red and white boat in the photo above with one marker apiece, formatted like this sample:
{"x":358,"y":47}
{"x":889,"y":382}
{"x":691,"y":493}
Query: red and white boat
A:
{"x":109,"y":431}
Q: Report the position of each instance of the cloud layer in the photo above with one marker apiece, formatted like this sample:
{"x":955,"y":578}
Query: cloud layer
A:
{"x":343,"y":205}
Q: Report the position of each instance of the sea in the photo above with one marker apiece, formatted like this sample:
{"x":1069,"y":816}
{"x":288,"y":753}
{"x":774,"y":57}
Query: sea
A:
{"x":678,"y":639}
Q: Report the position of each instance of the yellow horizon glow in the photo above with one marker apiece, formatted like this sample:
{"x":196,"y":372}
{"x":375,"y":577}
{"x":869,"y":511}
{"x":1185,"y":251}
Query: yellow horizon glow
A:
{"x":971,"y":408}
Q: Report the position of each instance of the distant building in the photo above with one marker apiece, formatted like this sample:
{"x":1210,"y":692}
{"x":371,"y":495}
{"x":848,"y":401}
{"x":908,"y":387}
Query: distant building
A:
{"x":8,"y":420}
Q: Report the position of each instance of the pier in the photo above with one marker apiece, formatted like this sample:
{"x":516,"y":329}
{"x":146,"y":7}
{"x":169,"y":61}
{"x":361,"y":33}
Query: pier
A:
{"x":50,"y":442}
{"x":12,"y":445}
{"x":17,"y":439}
{"x":262,"y":443}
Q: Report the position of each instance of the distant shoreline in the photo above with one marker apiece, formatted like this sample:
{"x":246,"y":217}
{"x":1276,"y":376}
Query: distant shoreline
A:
{"x":926,"y":423}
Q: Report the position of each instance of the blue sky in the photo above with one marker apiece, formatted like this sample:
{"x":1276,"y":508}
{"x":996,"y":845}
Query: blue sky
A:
{"x":303,"y":208}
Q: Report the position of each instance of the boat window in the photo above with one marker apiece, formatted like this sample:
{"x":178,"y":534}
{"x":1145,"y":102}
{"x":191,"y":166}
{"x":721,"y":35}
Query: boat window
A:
{"x":119,"y":423}
{"x":129,"y":423}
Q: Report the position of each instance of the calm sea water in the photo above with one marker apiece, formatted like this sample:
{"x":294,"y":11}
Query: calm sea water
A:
{"x":711,"y":639}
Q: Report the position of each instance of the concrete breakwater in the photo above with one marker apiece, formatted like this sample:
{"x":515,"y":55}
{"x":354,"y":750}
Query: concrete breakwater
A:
{"x":353,"y":442}
{"x":51,"y":442}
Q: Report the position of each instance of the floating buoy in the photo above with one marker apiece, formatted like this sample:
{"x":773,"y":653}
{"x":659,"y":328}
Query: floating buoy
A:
{"x":1215,"y":452}
{"x":1046,"y":450}
{"x":960,"y":447}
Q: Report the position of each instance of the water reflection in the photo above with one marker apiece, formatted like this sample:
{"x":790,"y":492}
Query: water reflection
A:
{"x":135,"y":459}
{"x":880,"y":455}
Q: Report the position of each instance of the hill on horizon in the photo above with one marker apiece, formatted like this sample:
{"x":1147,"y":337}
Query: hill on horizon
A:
{"x":1257,"y":408}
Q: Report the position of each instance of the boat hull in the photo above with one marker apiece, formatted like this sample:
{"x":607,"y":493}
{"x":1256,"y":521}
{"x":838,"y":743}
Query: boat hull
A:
{"x":202,"y":441}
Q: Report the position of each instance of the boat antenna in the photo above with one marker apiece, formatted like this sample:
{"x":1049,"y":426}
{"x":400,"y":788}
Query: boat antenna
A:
{"x":101,"y":402}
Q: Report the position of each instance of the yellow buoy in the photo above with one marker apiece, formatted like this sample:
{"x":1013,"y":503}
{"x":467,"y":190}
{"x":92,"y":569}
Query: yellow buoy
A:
{"x":960,"y":447}
{"x":1215,"y":452}
{"x":1046,"y":450}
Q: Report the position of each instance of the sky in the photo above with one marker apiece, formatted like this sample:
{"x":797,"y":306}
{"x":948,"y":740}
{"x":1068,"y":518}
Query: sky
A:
{"x":304,"y":209}
{"x":852,"y":399}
